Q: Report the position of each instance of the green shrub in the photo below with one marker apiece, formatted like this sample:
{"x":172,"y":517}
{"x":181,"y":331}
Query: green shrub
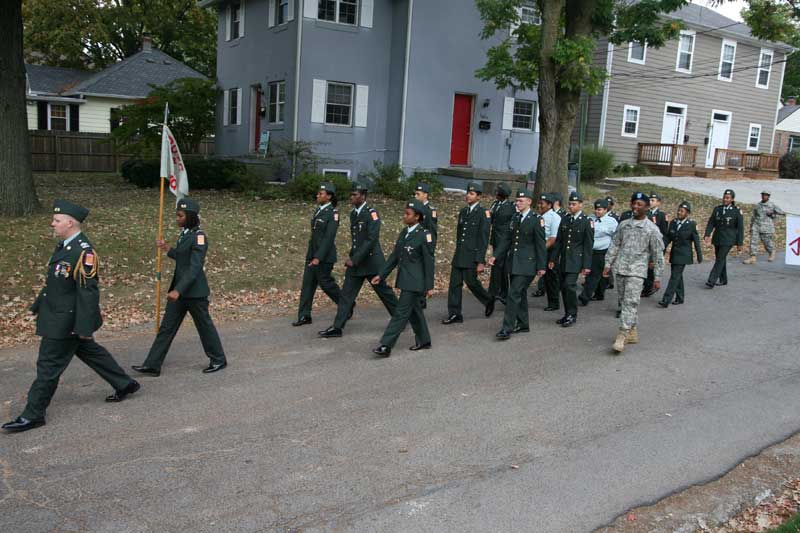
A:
{"x":305,"y":186}
{"x":596,"y":163}
{"x":421,"y":176}
{"x":623,"y":170}
{"x":215,"y":173}
{"x":640,"y":170}
{"x":789,"y":166}
{"x":391,"y":181}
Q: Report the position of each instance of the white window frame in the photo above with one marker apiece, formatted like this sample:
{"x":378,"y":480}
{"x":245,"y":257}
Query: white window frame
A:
{"x":534,"y":115}
{"x":227,"y":101}
{"x":280,"y":105}
{"x":278,"y":4}
{"x":337,"y":14}
{"x":240,"y":22}
{"x":625,"y":120}
{"x":750,"y":135}
{"x":693,"y":35}
{"x":632,"y":59}
{"x":352,"y":104}
{"x":726,"y":42}
{"x":515,"y":25}
{"x":326,"y":171}
{"x":791,"y":143}
{"x":760,"y":69}
{"x":49,"y":115}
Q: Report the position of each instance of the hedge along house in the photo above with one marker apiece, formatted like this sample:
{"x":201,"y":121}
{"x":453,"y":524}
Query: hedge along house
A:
{"x":61,"y":99}
{"x":369,"y":80}
{"x":703,"y":104}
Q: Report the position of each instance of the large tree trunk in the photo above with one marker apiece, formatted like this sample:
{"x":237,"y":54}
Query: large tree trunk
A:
{"x":17,"y":191}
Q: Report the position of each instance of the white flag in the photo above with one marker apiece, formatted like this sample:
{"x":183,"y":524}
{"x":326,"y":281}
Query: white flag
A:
{"x":172,"y":167}
{"x":792,"y":240}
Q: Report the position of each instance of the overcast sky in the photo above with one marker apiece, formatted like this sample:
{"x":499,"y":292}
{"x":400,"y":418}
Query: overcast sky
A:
{"x":729,"y":8}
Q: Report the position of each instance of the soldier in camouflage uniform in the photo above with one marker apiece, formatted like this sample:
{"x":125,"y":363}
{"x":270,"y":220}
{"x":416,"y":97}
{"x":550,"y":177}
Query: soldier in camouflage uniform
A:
{"x":762,"y":227}
{"x":636,"y":243}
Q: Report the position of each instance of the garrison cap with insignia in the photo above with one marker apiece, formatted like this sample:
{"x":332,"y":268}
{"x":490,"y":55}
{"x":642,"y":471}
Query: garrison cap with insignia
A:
{"x":473,"y":186}
{"x":729,"y":191}
{"x":766,"y":192}
{"x":503,"y":189}
{"x":610,"y":200}
{"x":686,"y":205}
{"x":424,"y":187}
{"x":638,"y":196}
{"x":327,"y":187}
{"x":187,"y":204}
{"x":360,"y":187}
{"x":655,"y":196}
{"x":416,"y":206}
{"x":524,"y":193}
{"x":602,"y":202}
{"x":546,"y":198}
{"x":63,"y":207}
{"x":575,"y":196}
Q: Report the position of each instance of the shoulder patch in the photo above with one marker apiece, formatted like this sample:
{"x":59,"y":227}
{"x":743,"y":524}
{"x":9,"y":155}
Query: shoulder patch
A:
{"x":336,"y":216}
{"x":428,"y":237}
{"x":373,"y":214}
{"x":591,"y":223}
{"x":201,"y":239}
{"x":488,"y":213}
{"x":541,"y":221}
{"x":88,"y":259}
{"x":433,"y":213}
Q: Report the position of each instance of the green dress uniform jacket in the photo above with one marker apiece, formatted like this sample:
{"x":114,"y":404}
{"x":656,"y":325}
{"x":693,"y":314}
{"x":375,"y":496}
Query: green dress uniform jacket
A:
{"x":322,"y":243}
{"x":431,"y":222}
{"x":413,"y":257}
{"x":527,"y":248}
{"x":682,"y":236}
{"x":572,"y":251}
{"x":365,"y":252}
{"x":69,"y":303}
{"x":472,"y":237}
{"x":502,"y":214}
{"x":189,"y":254}
{"x":659,"y":219}
{"x":727,"y":223}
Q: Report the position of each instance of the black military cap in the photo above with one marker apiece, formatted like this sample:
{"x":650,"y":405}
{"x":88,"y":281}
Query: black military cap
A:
{"x":474,"y":186}
{"x":328,"y":187}
{"x":424,"y":187}
{"x":575,"y":196}
{"x":417,"y":206}
{"x":610,"y":200}
{"x":524,"y":193}
{"x":556,"y":197}
{"x":602,"y":202}
{"x":655,"y":196}
{"x":360,"y":187}
{"x":766,"y":192}
{"x":546,"y":198}
{"x":639,"y":196}
{"x":187,"y":204}
{"x":503,"y":189}
{"x":686,"y":205}
{"x":729,"y":191}
{"x":63,"y":207}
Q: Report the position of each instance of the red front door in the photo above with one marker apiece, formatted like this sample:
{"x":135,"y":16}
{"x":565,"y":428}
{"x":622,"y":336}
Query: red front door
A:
{"x":462,"y":128}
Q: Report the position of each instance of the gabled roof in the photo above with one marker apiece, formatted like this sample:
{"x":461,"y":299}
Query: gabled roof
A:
{"x":132,"y":77}
{"x":785,"y":111}
{"x":53,"y":80}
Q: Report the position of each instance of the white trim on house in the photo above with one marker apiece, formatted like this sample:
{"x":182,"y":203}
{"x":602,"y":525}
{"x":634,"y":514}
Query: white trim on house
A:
{"x":326,"y":171}
{"x":750,"y":135}
{"x":710,"y":157}
{"x":777,"y":108}
{"x":678,"y":68}
{"x":272,"y":11}
{"x":601,"y":138}
{"x":771,"y":53}
{"x":682,"y":129}
{"x":632,"y":59}
{"x":367,"y":9}
{"x":66,"y":116}
{"x":405,"y":84}
{"x":310,"y":9}
{"x":361,"y":106}
{"x":534,"y":115}
{"x":726,"y":42}
{"x":625,"y":120}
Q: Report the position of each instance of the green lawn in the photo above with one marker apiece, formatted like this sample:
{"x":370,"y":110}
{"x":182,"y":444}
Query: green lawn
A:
{"x":792,"y":526}
{"x":256,"y":253}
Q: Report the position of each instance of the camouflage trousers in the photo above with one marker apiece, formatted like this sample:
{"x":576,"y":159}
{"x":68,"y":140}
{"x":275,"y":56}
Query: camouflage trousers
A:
{"x":629,"y":291}
{"x":757,"y":236}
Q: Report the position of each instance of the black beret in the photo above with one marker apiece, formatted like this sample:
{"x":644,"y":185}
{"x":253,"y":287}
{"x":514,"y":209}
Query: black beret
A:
{"x":328,"y":187}
{"x":602,"y":202}
{"x":187,"y":204}
{"x":360,"y":187}
{"x":686,"y":205}
{"x":424,"y":187}
{"x":474,"y":187}
{"x":546,"y":198}
{"x":524,"y":193}
{"x":417,"y":206}
{"x":503,"y":189}
{"x":655,"y":196}
{"x":639,"y":196}
{"x":729,"y":191}
{"x":63,"y":207}
{"x":575,"y":196}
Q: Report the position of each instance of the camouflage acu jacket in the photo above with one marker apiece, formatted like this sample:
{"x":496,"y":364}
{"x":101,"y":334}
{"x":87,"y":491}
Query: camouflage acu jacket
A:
{"x":635,"y":244}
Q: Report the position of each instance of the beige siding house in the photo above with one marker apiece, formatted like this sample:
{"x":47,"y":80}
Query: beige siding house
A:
{"x":714,"y":87}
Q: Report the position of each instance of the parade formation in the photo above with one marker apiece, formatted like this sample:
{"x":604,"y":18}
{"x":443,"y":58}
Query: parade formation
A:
{"x":575,"y":258}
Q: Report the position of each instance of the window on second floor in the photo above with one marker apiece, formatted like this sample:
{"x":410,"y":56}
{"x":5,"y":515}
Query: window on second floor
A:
{"x":754,"y":137}
{"x":764,"y":68}
{"x":282,"y":14}
{"x":277,"y":102}
{"x":236,"y":20}
{"x":529,"y":15}
{"x":339,"y":104}
{"x":637,"y":52}
{"x":726,"y":59}
{"x":341,"y":11}
{"x":685,"y":52}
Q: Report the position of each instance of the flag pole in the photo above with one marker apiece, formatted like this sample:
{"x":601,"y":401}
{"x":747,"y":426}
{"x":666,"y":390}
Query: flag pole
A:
{"x":160,"y":226}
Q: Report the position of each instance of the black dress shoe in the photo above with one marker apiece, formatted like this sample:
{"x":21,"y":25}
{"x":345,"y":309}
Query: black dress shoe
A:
{"x":562,"y":319}
{"x":583,"y":302}
{"x":501,"y":300}
{"x":424,"y":303}
{"x":538,"y":293}
{"x":610,"y":286}
{"x":19,"y":424}
{"x":503,"y":335}
{"x":330,"y":333}
{"x":677,"y":302}
{"x":214,"y":367}
{"x":570,"y":320}
{"x":489,"y":309}
{"x":618,"y":314}
{"x":663,"y":304}
{"x":382,"y":351}
{"x":302,"y":321}
{"x":598,"y":298}
{"x":520,"y":329}
{"x":147,"y":370}
{"x":721,"y":283}
{"x":120,"y":395}
{"x":453,"y":319}
{"x":709,"y":285}
{"x":423,"y":346}
{"x":551,"y":308}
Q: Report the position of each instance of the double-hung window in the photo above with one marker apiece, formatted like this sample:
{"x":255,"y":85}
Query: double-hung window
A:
{"x":764,"y":68}
{"x":277,"y":102}
{"x":339,"y":104}
{"x":57,"y":117}
{"x":236,"y":20}
{"x":637,"y":52}
{"x":282,"y":15}
{"x":524,"y":115}
{"x":232,"y":104}
{"x":341,"y":11}
{"x":726,"y":59}
{"x":754,"y":137}
{"x":630,"y":121}
{"x":529,"y":15}
{"x":685,"y":51}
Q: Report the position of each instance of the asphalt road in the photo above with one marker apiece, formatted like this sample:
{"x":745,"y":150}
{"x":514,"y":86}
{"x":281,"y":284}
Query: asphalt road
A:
{"x":545,"y":432}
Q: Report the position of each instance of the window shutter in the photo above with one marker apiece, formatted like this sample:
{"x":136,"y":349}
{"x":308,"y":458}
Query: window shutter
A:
{"x":508,"y":113}
{"x":271,"y":13}
{"x":241,"y":19}
{"x":367,"y":7}
{"x":290,"y":14}
{"x":310,"y":9}
{"x":362,"y":105}
{"x":318,"y":102}
{"x":228,"y":23}
{"x":226,"y":102}
{"x":41,"y":115}
{"x":74,"y":119}
{"x":238,"y":106}
{"x":536,"y":116}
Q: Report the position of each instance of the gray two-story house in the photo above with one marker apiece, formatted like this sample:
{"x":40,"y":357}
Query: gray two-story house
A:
{"x":366,"y":80}
{"x":715,"y":87}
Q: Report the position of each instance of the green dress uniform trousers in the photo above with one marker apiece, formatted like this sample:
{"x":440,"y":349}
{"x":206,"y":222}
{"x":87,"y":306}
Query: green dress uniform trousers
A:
{"x":408,"y":310}
{"x":727,"y":225}
{"x":349,"y":292}
{"x":719,"y":272}
{"x":675,"y":285}
{"x":322,"y":246}
{"x":313,"y":277}
{"x":459,"y":277}
{"x":595,"y":284}
{"x":472,"y":240}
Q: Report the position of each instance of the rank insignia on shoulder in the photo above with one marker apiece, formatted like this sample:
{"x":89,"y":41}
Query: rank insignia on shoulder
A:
{"x":336,"y":216}
{"x":85,"y":245}
{"x":541,"y":222}
{"x":488,"y":214}
{"x":429,"y":237}
{"x":433,"y":213}
{"x":374,"y":215}
{"x":591,"y":223}
{"x":201,"y":239}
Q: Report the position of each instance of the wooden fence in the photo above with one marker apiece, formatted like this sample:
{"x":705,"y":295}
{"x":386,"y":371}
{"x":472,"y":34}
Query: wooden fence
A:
{"x":667,"y":154}
{"x":743,"y":160}
{"x":64,"y":151}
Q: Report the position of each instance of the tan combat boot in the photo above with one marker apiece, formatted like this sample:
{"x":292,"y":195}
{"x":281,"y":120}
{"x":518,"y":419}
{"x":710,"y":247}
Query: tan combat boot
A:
{"x":619,"y":342}
{"x":633,"y":336}
{"x":771,"y":257}
{"x":750,"y":260}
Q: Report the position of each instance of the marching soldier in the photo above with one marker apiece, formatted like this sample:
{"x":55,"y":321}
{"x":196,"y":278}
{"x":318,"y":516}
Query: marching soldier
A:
{"x":572,"y":253}
{"x":364,"y":263}
{"x":611,"y":213}
{"x":659,"y":218}
{"x":550,"y":284}
{"x":321,"y":254}
{"x":502,"y":212}
{"x":472,"y":239}
{"x":558,"y":200}
{"x":682,"y":235}
{"x":431,"y":222}
{"x":762,"y":228}
{"x":188,"y":293}
{"x":526,"y":253}
{"x":636,"y":243}
{"x":727,"y":225}
{"x":413,"y":257}
{"x":604,"y":228}
{"x":67,"y":315}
